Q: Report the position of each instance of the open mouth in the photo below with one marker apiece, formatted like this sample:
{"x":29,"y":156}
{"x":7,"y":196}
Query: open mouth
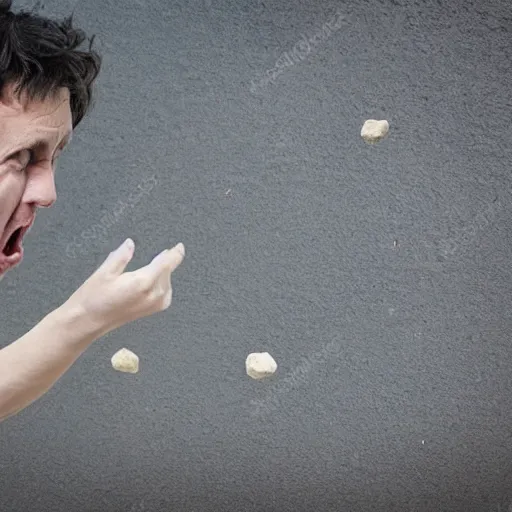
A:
{"x":11,"y":251}
{"x":13,"y":245}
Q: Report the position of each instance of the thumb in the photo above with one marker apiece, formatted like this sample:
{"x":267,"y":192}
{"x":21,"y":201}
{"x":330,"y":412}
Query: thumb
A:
{"x":118,"y":260}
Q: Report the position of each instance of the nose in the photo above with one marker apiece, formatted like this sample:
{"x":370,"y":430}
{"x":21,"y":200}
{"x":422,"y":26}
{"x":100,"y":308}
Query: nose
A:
{"x":40,"y":189}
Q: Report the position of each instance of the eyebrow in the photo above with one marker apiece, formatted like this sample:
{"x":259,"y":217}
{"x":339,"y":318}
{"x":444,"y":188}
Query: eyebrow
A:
{"x":66,"y":140}
{"x":44,"y":143}
{"x":41,"y":143}
{"x":67,"y":137}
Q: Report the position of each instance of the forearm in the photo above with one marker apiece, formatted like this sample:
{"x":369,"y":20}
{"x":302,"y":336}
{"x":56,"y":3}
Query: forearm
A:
{"x":30,"y":366}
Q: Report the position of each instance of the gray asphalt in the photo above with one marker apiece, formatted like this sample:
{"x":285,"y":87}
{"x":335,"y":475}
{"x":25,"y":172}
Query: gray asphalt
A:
{"x":378,"y":276}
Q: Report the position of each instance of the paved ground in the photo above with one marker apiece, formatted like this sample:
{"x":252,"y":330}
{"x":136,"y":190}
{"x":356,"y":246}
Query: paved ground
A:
{"x":379,"y":277}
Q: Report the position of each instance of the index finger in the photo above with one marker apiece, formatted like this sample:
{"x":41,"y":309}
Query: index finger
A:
{"x":163,"y":264}
{"x":173,"y":258}
{"x":168,"y":260}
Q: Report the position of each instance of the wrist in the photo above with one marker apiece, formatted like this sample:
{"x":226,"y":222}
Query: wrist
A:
{"x":75,"y":321}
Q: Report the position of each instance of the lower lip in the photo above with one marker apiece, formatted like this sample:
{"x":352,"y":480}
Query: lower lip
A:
{"x":9,"y":262}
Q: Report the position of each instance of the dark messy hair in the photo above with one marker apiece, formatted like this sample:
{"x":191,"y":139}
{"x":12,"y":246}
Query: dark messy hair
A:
{"x":39,"y":56}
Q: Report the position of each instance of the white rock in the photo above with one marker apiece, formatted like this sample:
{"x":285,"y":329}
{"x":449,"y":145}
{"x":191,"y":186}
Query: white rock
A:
{"x":260,"y":365}
{"x":374,"y":131}
{"x":125,"y":361}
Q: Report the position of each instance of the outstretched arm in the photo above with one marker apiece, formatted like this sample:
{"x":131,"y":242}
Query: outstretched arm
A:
{"x":31,"y":365}
{"x":110,"y":298}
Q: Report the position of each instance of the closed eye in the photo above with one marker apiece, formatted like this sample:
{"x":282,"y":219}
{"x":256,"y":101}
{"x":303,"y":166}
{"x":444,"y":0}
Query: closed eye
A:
{"x":31,"y":160}
{"x":32,"y":156}
{"x":24,"y":158}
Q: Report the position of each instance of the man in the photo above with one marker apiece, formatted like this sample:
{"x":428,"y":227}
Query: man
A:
{"x":45,"y":91}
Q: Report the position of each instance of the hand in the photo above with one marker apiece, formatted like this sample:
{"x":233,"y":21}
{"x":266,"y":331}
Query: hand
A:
{"x":112,"y":297}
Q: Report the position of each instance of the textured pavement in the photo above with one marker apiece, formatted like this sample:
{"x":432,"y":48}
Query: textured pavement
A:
{"x":378,"y":277}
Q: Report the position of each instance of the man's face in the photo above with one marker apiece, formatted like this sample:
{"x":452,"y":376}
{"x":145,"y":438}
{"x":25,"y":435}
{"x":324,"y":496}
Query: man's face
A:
{"x":32,"y":135}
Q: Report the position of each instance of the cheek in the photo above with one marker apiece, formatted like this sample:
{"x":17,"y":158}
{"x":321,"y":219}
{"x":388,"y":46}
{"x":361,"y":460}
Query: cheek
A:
{"x":12,"y":188}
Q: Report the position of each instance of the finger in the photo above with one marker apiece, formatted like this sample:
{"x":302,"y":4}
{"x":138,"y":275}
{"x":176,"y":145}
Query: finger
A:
{"x":164,"y":263}
{"x":118,"y":260}
{"x":168,"y":260}
{"x":174,"y":257}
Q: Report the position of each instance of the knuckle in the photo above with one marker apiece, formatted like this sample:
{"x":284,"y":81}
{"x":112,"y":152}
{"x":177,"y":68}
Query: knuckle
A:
{"x":143,"y":284}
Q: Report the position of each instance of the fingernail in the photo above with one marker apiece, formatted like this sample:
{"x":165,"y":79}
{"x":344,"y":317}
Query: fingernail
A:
{"x":129,"y":243}
{"x":181,"y":248}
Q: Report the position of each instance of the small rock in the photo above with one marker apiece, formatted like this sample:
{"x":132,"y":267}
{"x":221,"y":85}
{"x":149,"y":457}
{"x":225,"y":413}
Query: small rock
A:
{"x":260,"y":365}
{"x":125,"y":361}
{"x":374,"y":131}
